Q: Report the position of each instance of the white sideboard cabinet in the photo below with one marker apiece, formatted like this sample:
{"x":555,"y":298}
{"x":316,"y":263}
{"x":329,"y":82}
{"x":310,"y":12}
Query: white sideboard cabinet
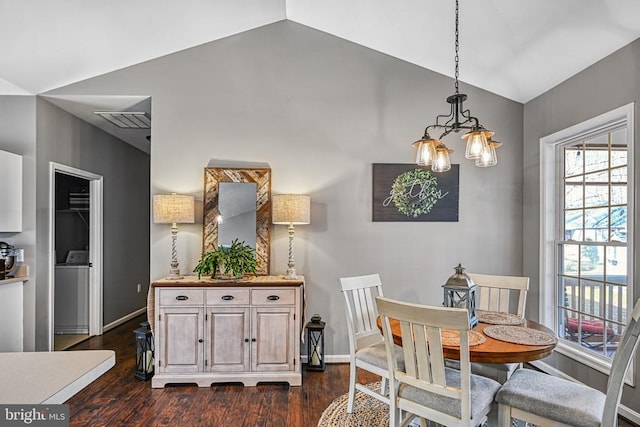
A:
{"x":210,"y":331}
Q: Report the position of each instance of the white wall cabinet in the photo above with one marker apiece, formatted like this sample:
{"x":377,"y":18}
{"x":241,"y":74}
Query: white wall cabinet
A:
{"x":11,"y":190}
{"x":220,"y":331}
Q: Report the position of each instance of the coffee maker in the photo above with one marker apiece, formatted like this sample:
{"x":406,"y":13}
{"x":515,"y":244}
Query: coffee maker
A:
{"x":8,"y":260}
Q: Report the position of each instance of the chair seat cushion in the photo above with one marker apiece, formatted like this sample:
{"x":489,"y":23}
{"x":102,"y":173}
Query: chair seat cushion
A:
{"x":481,"y":368}
{"x":483,"y":391}
{"x":552,"y":397}
{"x":376,"y":355}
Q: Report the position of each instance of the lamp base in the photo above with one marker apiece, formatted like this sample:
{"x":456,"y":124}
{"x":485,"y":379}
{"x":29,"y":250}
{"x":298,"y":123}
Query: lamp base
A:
{"x":174,"y":274}
{"x":291,"y":273}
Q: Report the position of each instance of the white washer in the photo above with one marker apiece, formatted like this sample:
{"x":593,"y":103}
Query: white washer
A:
{"x":71,"y":310}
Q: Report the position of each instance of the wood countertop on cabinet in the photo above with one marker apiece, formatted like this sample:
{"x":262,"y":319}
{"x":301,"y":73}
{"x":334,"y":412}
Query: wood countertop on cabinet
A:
{"x":252,"y":281}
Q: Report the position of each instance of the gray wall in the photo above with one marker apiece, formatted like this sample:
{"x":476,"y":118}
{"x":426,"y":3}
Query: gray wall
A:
{"x":608,"y":84}
{"x":320,"y":110}
{"x":65,"y":139}
{"x":18,"y":135}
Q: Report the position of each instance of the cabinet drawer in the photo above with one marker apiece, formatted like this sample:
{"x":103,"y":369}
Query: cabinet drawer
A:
{"x":227,"y":296}
{"x":273,"y":296}
{"x":181,"y":297}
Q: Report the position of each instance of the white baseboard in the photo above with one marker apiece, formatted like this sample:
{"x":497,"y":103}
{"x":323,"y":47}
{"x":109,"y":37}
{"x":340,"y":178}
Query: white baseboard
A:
{"x":338,"y":358}
{"x":335,"y":358}
{"x":124,"y":319}
{"x":626,"y":412}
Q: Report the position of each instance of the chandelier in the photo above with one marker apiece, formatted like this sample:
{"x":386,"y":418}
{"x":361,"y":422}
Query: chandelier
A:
{"x":480,"y":146}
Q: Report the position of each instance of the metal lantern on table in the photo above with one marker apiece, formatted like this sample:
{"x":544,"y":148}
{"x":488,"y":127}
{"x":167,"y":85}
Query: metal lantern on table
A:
{"x":315,"y":344}
{"x":144,"y":351}
{"x":460,"y":291}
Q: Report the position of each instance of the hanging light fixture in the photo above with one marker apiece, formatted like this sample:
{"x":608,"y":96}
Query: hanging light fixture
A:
{"x":480,"y":147}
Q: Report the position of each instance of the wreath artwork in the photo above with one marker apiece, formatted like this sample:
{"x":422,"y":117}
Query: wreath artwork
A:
{"x":406,"y":192}
{"x":415,"y":192}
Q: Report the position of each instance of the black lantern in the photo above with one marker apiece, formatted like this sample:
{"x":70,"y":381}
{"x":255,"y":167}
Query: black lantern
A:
{"x":144,"y":351}
{"x":315,"y":344}
{"x":460,"y":291}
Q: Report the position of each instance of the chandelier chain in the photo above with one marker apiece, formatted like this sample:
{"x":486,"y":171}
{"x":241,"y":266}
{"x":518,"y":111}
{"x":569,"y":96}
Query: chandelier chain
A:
{"x":457,"y":59}
{"x":479,"y":146}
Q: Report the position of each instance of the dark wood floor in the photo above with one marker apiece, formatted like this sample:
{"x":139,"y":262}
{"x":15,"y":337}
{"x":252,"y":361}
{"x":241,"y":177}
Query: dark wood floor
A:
{"x":118,"y":399}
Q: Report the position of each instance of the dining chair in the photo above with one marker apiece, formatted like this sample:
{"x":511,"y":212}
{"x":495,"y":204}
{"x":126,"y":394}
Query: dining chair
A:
{"x":366,"y":345}
{"x":426,"y":388}
{"x":545,"y":400}
{"x":506,"y":294}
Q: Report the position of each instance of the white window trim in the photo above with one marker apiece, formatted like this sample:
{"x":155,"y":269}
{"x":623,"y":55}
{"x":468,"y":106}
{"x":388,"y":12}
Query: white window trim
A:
{"x":549,"y":202}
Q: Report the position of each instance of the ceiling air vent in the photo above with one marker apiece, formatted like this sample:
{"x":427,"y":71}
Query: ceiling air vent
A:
{"x":126,"y":119}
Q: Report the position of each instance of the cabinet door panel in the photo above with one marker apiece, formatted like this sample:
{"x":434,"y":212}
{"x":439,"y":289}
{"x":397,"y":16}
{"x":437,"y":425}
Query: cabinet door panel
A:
{"x":227,"y":330}
{"x":181,"y":349}
{"x":273,"y":330}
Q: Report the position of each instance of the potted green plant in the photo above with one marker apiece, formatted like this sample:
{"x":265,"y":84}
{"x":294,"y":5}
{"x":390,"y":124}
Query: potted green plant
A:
{"x":208,"y":264}
{"x":226,"y":262}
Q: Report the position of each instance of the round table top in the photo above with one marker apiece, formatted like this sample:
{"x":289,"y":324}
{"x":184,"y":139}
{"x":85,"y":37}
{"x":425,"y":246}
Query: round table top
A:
{"x":492,"y":350}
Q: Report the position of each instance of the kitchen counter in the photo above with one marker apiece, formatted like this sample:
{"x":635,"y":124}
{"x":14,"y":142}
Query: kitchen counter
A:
{"x":50,"y":377}
{"x":22,"y":275}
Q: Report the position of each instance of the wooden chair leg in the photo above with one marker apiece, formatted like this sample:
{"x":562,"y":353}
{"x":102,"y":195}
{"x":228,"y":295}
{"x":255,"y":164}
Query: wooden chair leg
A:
{"x":352,"y":387}
{"x":504,"y":416}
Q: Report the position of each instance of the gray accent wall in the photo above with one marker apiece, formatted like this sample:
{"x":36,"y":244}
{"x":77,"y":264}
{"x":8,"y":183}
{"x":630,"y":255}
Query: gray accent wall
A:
{"x":63,"y":138}
{"x":320,"y":110}
{"x":18,"y":135}
{"x":606,"y":85}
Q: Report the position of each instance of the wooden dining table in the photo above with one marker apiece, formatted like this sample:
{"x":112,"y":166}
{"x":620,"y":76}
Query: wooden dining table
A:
{"x":492,"y":350}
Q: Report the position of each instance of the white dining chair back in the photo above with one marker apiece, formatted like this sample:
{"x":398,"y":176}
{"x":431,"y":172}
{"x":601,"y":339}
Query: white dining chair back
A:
{"x":360,"y":293}
{"x":545,"y":400}
{"x":505,"y":294}
{"x":497,"y":293}
{"x":366,"y":345}
{"x":426,"y":387}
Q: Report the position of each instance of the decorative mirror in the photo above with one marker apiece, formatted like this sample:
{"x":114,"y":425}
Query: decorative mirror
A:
{"x":237,"y":205}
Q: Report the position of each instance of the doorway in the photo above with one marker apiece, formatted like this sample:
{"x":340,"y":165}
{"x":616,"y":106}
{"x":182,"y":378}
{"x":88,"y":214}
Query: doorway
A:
{"x":75,"y":255}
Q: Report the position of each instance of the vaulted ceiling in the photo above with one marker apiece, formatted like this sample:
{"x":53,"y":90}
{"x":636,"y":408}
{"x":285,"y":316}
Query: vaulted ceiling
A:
{"x":515,"y":48}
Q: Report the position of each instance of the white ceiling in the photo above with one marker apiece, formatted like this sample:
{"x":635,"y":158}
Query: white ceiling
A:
{"x":515,"y":48}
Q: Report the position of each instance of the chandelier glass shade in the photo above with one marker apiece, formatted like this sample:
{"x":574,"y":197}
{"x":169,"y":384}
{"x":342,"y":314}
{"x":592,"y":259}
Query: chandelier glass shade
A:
{"x":479,"y":145}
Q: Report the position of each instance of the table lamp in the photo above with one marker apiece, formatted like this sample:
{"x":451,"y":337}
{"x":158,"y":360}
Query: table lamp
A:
{"x":173,"y":209}
{"x":291,"y":209}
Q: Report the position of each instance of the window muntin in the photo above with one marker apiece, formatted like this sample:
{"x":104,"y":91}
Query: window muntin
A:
{"x":592,"y":264}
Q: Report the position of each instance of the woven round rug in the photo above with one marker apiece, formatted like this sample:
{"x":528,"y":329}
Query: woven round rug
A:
{"x":498,"y":318}
{"x":451,"y":338}
{"x":519,"y":335}
{"x":367,"y":411}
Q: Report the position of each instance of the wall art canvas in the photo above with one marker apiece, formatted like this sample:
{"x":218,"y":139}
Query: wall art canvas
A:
{"x":407,"y":192}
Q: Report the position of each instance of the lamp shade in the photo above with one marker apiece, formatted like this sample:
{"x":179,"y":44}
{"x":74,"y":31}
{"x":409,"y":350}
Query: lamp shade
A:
{"x":173,"y":209}
{"x":291,"y":209}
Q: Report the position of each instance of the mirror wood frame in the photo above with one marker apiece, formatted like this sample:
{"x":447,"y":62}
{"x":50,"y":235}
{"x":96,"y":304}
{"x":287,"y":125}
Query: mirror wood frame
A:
{"x":262,"y":178}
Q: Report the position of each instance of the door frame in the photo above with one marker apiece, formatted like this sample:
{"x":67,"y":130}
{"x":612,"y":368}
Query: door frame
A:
{"x":95,"y":246}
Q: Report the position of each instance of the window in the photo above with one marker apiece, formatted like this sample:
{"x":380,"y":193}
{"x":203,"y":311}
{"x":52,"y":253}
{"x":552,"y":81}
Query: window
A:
{"x":586,"y":218}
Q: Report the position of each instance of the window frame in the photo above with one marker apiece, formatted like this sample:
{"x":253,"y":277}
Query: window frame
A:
{"x":551,"y":173}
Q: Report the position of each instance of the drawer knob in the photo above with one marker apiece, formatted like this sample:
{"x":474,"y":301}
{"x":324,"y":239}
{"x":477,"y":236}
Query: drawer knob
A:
{"x":246,"y":340}
{"x":227,"y":297}
{"x":253,"y":340}
{"x":273,"y":297}
{"x":200,"y":340}
{"x":182,"y":297}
